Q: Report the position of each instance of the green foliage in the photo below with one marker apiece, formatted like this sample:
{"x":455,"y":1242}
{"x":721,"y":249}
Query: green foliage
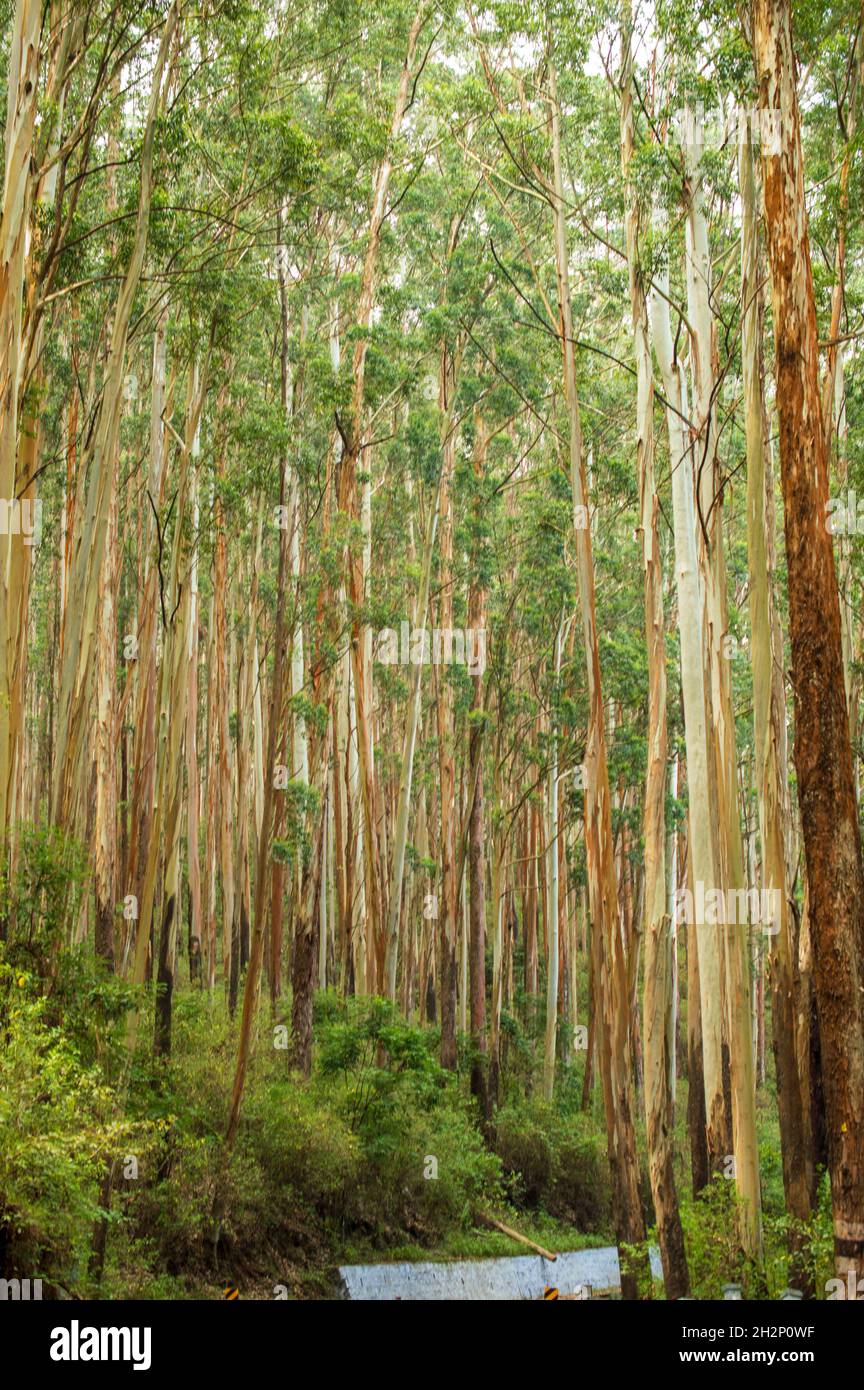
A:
{"x":715,"y":1257}
{"x":77,"y":993}
{"x":380,"y":1064}
{"x":555,"y":1162}
{"x":714,"y":1254}
{"x":295,"y":846}
{"x":347,"y":1152}
{"x":42,"y":897}
{"x":58,"y":1128}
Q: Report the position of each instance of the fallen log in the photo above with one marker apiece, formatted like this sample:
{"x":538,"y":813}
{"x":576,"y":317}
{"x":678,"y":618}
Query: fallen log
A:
{"x":514,"y":1235}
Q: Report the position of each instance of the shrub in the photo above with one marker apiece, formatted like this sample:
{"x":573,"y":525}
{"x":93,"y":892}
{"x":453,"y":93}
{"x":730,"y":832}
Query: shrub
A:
{"x":348,"y":1149}
{"x":555,"y":1162}
{"x":714,"y":1253}
{"x":58,"y":1128}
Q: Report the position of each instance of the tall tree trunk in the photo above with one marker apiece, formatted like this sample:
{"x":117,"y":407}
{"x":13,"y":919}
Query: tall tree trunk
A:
{"x":89,"y":545}
{"x":823,"y":759}
{"x":173,"y":692}
{"x":262,"y":877}
{"x":658,"y":999}
{"x":349,"y":502}
{"x":700,"y":1168}
{"x":193,"y":805}
{"x":613,"y":1015}
{"x":706,"y":941}
{"x":106,"y":738}
{"x":552,"y":883}
{"x":769,"y":721}
{"x":212,"y":829}
{"x":406,"y":774}
{"x":144,"y":773}
{"x":476,"y":814}
{"x":22,"y":90}
{"x":223,"y":687}
{"x":736,"y":1022}
{"x":448,"y":906}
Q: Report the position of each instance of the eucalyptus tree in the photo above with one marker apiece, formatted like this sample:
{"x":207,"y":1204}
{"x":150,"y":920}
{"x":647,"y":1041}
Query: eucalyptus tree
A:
{"x":826,"y":788}
{"x":659,"y":983}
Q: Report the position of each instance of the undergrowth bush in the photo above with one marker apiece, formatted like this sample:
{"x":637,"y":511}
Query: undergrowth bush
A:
{"x":380,"y":1141}
{"x":555,"y":1162}
{"x":59,"y":1126}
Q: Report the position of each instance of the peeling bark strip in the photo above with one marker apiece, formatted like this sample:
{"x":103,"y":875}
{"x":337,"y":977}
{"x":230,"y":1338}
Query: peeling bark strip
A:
{"x":822,"y":754}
